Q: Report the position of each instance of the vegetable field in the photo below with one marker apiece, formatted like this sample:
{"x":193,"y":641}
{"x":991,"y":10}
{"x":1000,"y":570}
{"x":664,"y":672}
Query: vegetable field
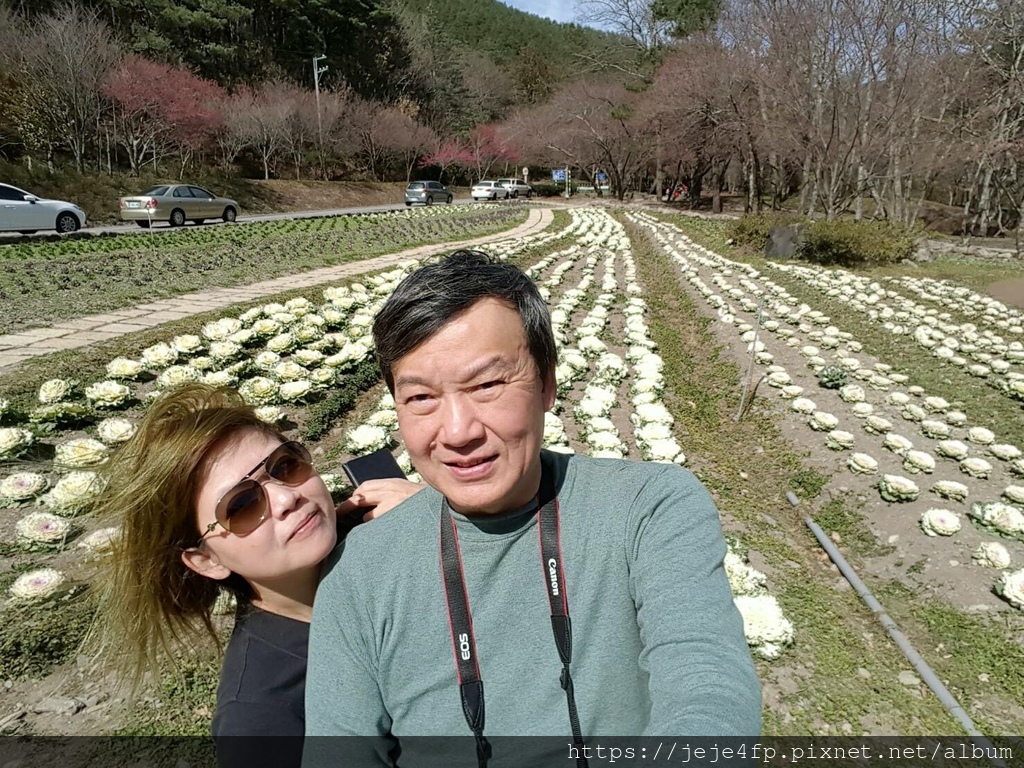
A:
{"x":919,"y":482}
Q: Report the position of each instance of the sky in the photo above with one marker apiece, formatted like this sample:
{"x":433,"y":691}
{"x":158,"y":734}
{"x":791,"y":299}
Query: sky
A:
{"x":556,"y":10}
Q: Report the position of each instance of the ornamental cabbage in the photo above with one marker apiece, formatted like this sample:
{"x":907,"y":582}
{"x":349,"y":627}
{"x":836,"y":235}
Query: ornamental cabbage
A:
{"x":992,"y":554}
{"x":940,"y":522}
{"x":896,"y":488}
{"x":950,"y":489}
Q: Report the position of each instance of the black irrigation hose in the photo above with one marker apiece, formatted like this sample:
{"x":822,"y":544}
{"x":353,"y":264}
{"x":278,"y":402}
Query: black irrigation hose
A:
{"x":927,"y":673}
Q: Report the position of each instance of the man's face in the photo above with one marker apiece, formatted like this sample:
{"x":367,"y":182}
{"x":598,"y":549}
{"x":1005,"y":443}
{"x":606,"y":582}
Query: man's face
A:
{"x":471,"y":410}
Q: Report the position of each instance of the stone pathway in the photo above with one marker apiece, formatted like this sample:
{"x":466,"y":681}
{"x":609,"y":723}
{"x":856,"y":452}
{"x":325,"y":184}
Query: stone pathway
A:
{"x":82,"y":331}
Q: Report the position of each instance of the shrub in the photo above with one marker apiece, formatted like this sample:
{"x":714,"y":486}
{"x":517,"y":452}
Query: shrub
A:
{"x":549,"y":188}
{"x":753,"y":230}
{"x":850,"y":243}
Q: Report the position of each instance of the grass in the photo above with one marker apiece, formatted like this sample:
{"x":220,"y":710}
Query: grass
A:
{"x":42,"y":283}
{"x":182,"y":699}
{"x":748,"y":467}
{"x":836,"y":516}
{"x":837,"y":636}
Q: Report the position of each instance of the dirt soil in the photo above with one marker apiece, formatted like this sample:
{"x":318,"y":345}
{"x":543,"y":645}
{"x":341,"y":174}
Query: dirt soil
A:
{"x":1010,"y":291}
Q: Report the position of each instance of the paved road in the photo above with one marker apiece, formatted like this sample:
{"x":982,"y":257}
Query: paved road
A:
{"x":164,"y":227}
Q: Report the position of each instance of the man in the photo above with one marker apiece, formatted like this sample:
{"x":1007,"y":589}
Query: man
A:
{"x":455,"y":590}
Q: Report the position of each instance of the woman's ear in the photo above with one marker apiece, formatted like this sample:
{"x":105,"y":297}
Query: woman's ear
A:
{"x":204,"y":562}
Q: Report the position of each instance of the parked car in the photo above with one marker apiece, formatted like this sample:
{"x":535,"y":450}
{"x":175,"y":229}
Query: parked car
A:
{"x":427,"y":192}
{"x":21,"y":211}
{"x":176,"y":203}
{"x":517,"y":187}
{"x":489,"y":190}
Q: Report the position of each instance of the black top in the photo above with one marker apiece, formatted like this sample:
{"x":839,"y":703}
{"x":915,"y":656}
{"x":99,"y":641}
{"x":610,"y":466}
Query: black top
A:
{"x":262,"y":691}
{"x":263,"y":680}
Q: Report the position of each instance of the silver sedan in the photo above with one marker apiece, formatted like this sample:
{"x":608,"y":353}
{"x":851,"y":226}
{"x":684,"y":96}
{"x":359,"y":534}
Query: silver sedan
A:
{"x":176,"y":204}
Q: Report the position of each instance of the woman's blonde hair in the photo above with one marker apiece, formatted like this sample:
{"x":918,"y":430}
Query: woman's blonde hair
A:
{"x":150,"y":601}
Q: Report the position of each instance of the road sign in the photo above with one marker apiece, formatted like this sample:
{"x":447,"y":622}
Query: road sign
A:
{"x":526,"y":173}
{"x":558,"y":174}
{"x":602,"y":177}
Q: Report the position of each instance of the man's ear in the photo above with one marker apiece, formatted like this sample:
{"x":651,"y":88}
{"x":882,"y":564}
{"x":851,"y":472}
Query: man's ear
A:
{"x":205,"y":563}
{"x":550,"y":390}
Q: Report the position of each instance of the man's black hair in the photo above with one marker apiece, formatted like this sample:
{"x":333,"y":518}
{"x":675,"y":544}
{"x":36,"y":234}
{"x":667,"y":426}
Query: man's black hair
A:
{"x":426,"y":300}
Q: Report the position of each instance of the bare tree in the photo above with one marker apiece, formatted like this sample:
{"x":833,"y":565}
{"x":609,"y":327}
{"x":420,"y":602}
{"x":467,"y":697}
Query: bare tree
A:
{"x":593,"y":126}
{"x":258,"y":119}
{"x":633,"y":19}
{"x":65,"y":57}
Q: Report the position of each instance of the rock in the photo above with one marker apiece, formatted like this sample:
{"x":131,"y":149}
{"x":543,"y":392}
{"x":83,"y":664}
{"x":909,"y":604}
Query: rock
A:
{"x":909,"y":263}
{"x":783,"y":242}
{"x":8,"y":684}
{"x":954,"y":563}
{"x":983,"y":677}
{"x":894,"y":538}
{"x":908,"y":678}
{"x":978,"y":608}
{"x":59,"y":705}
{"x":863,"y":673}
{"x":744,"y":476}
{"x":793,"y":565}
{"x":836,"y":537}
{"x":842,"y":585}
{"x":92,"y":699}
{"x":770,"y":520}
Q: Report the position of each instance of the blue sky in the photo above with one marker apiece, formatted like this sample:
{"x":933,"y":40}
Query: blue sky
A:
{"x":556,"y":10}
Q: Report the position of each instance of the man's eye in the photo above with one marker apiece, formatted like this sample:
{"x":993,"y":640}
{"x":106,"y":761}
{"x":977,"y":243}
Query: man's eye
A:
{"x":491,"y":384}
{"x":422,"y":398}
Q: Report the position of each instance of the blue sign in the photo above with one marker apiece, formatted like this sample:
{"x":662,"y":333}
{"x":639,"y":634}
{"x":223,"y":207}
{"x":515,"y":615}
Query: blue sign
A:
{"x":558,"y":174}
{"x":602,"y":177}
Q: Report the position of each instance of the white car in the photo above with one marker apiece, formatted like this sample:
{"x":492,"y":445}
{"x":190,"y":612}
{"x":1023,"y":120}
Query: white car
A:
{"x":489,"y":190}
{"x":517,"y":187}
{"x":23,"y":212}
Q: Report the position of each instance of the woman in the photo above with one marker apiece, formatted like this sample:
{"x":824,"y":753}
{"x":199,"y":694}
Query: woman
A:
{"x":210,"y":498}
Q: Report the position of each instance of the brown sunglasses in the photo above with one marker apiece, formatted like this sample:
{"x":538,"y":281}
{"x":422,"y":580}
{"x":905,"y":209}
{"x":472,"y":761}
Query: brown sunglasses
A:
{"x":244,"y":507}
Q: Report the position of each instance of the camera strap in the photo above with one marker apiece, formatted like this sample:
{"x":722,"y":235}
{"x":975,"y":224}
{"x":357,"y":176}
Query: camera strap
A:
{"x":460,"y":620}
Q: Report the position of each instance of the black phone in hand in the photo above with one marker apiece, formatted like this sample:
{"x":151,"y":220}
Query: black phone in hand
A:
{"x":378,"y":465}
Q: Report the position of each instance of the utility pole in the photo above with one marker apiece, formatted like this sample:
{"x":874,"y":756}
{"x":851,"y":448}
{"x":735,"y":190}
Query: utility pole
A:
{"x":317,"y":71}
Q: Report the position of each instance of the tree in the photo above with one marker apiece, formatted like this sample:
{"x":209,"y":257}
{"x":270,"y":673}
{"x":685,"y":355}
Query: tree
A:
{"x":157,"y":109}
{"x":258,"y":120}
{"x":64,"y":59}
{"x":448,"y":154}
{"x":590,"y":125}
{"x":406,"y":140}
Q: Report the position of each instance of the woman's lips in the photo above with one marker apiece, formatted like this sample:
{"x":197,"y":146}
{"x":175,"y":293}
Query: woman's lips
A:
{"x":307,"y":525}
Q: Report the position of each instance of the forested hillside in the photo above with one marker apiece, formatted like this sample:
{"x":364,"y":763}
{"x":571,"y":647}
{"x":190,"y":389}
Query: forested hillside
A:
{"x":371,"y":45}
{"x":500,"y":31}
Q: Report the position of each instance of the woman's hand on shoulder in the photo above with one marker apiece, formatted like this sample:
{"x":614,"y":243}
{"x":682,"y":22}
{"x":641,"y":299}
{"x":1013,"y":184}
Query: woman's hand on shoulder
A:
{"x":375,"y":497}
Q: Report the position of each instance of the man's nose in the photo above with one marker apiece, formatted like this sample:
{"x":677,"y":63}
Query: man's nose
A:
{"x":459,"y":422}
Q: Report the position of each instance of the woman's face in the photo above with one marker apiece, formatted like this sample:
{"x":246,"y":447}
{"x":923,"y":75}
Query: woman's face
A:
{"x":298,"y":530}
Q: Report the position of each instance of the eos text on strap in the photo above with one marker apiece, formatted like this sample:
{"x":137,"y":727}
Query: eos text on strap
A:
{"x":460,"y":620}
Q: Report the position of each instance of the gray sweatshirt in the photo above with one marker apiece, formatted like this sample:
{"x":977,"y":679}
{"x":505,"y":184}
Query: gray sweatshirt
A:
{"x":658,"y":645}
